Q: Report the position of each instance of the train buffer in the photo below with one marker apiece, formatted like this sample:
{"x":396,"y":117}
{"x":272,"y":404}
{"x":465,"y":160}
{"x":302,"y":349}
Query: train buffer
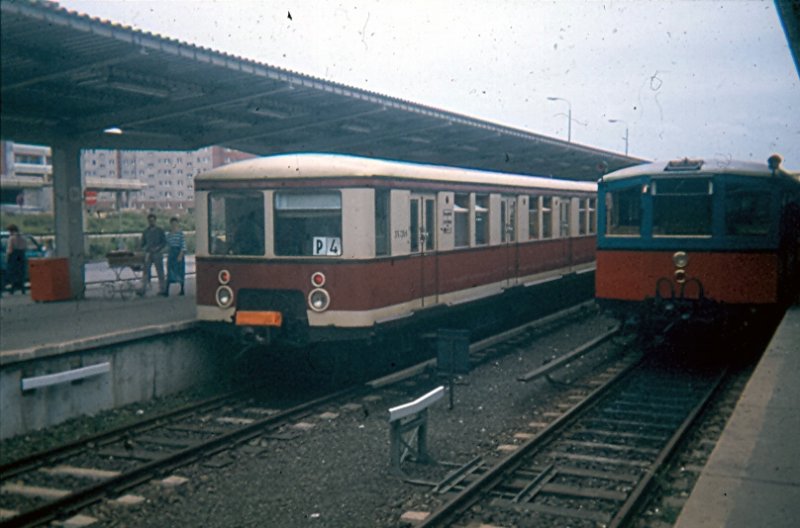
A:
{"x":409,"y":420}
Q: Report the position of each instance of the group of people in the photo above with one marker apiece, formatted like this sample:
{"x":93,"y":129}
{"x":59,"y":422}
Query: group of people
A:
{"x":154,"y":242}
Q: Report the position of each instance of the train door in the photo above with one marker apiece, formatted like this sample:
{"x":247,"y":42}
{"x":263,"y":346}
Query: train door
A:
{"x":423,"y":241}
{"x":508,"y":235}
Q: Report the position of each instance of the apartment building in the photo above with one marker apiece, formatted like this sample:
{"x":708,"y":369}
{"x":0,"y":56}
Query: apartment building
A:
{"x":26,"y":178}
{"x":134,"y":179}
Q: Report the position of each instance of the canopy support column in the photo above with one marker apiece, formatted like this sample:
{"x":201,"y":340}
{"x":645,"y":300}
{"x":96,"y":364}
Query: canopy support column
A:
{"x":68,"y":205}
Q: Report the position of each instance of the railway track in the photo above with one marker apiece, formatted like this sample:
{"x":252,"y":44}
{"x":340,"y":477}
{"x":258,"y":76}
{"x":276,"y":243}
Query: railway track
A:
{"x":51,"y":485}
{"x":591,"y":466}
{"x":58,"y":483}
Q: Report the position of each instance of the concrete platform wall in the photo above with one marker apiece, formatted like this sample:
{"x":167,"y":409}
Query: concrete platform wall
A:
{"x":140,"y":369}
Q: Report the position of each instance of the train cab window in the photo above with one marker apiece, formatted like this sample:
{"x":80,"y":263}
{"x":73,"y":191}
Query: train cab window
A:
{"x":308,"y":223}
{"x":547,"y":217}
{"x":747,"y":211}
{"x":382,"y":222}
{"x":461,"y":220}
{"x":533,"y":217}
{"x":682,"y":207}
{"x":236,"y":223}
{"x":481,"y":219}
{"x":624,"y":211}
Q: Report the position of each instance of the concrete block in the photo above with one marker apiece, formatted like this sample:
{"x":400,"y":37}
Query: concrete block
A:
{"x":79,"y":521}
{"x":414,"y":517}
{"x":173,"y":481}
{"x":303,"y":426}
{"x":90,"y":473}
{"x":128,"y":500}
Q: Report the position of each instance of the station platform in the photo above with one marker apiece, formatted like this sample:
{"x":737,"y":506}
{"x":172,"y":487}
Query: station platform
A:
{"x":33,"y":330}
{"x":753,"y":475}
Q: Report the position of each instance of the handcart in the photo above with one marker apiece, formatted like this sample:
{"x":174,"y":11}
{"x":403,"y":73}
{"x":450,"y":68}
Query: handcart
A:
{"x":127,"y":267}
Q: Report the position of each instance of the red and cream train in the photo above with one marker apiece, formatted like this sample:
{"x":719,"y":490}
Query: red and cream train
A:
{"x":302,"y":248}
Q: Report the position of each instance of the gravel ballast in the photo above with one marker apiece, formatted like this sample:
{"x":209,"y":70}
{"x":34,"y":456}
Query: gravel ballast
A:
{"x":333,"y":468}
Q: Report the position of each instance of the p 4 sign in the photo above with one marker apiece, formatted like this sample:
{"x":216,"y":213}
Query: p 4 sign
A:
{"x":327,"y":246}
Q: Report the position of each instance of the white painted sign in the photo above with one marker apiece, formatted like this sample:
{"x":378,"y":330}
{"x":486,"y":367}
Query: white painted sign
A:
{"x":327,"y":246}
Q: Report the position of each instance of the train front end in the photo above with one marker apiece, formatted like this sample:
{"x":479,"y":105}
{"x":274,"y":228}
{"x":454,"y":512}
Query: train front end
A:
{"x":695,"y":241}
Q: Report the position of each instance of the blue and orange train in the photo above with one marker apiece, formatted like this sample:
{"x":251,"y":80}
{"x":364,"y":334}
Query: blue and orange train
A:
{"x":696,"y":240}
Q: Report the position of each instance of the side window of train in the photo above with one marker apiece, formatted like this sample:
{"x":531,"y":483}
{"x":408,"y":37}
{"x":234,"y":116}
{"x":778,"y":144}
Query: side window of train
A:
{"x":508,"y":219}
{"x":481,"y":219}
{"x":583,"y":216}
{"x":564,"y":217}
{"x":587,"y":216}
{"x":236,"y":223}
{"x":308,"y":223}
{"x":682,"y":206}
{"x":747,"y":211}
{"x":382,"y":222}
{"x":547,"y":217}
{"x":624,"y":211}
{"x":461,"y":219}
{"x":534,"y":222}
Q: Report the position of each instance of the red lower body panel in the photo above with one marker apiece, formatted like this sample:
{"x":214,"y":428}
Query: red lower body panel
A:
{"x":732,"y":278}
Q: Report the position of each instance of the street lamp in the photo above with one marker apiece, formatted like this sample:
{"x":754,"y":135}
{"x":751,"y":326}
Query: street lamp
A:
{"x":569,"y":116}
{"x":626,"y":131}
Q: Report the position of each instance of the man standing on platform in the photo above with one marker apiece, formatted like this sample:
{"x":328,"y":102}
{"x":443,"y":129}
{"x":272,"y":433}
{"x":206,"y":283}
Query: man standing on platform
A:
{"x":153,"y":243}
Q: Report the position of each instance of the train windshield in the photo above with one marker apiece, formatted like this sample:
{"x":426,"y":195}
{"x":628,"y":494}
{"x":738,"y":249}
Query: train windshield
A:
{"x":747,"y":211}
{"x":624,"y":211}
{"x":236,"y":223}
{"x":682,"y":206}
{"x":308,"y":223}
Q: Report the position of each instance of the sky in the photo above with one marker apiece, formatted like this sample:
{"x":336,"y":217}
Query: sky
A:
{"x":684,"y":78}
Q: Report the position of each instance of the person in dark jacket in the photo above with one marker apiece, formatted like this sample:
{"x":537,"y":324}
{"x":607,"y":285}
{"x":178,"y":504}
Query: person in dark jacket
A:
{"x":15,"y":260}
{"x":153,"y":243}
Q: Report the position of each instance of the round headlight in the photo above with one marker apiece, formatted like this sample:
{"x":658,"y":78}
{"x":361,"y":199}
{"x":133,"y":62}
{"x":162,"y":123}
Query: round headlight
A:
{"x":318,"y":300}
{"x":224,"y":296}
{"x":224,"y":276}
{"x":680,"y":259}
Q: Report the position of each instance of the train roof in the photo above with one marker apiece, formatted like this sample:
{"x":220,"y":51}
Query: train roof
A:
{"x":698,"y":166}
{"x":321,"y":165}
